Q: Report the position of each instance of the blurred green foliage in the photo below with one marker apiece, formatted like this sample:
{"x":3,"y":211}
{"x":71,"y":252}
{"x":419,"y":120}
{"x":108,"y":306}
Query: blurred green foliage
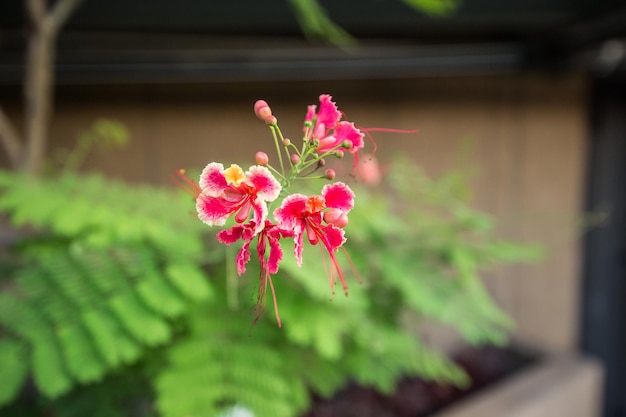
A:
{"x":112,"y":286}
{"x":317,"y":24}
{"x":103,"y":134}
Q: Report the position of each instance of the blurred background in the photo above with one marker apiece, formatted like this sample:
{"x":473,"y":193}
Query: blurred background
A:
{"x":530,"y":94}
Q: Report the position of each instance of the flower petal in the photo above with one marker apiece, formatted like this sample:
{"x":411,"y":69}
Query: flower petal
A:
{"x":298,"y":239}
{"x":346,"y":131}
{"x":214,"y":211}
{"x":290,"y":211}
{"x":334,"y":238}
{"x":231,"y":235}
{"x":243,"y":256}
{"x":276,"y":254}
{"x":244,"y":232}
{"x":259,"y":215}
{"x":212,"y":181}
{"x":262,"y":180}
{"x":327,"y":144}
{"x":338,"y":195}
{"x":328,"y":113}
{"x":310,"y":113}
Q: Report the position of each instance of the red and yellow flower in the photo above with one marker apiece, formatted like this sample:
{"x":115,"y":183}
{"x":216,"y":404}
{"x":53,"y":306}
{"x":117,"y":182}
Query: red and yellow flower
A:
{"x":229,"y":191}
{"x":322,"y":218}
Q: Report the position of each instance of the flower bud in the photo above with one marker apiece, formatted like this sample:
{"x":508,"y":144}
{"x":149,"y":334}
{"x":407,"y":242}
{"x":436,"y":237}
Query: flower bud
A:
{"x":330,"y":174}
{"x":339,"y":154}
{"x":262,"y":110}
{"x":286,"y":142}
{"x":321,"y":163}
{"x":261,"y":158}
{"x":271,"y":120}
{"x":336,"y":217}
{"x":346,"y":144}
{"x":295,"y":159}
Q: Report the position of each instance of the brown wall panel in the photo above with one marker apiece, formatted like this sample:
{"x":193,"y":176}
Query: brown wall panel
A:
{"x":525,"y":134}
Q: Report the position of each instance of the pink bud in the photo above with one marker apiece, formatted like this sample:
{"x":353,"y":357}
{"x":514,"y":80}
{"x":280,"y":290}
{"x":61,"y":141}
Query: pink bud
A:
{"x":336,"y":217}
{"x":261,"y":158}
{"x":286,"y":142}
{"x":262,"y":110}
{"x":330,"y":174}
{"x":295,"y":159}
{"x":271,"y":120}
{"x":339,"y":154}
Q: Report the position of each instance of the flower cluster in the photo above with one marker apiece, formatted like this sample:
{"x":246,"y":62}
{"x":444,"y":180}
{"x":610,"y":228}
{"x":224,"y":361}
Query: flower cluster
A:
{"x":222,"y":193}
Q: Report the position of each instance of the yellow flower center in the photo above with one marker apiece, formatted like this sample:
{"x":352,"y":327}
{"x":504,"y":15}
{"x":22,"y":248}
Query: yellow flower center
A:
{"x":234,"y":175}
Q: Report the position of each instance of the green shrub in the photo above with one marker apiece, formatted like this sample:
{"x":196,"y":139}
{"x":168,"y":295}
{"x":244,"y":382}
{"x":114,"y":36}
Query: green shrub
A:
{"x":109,"y":280}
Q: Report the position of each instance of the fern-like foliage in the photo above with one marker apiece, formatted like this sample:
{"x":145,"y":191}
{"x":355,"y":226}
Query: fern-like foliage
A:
{"x":223,"y":363}
{"x":220,"y":365}
{"x":105,"y":272}
{"x":431,"y":249}
{"x":100,"y":274}
{"x":419,"y":251}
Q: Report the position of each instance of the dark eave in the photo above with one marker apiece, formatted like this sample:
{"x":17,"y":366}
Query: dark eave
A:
{"x":187,"y":41}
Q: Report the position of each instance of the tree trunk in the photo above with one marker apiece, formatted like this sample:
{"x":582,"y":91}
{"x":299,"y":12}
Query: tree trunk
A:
{"x":38,"y":97}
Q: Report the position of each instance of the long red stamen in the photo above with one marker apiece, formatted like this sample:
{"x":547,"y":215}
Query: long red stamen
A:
{"x":335,"y":265}
{"x":186,"y":184}
{"x":352,"y":266}
{"x":328,"y":273}
{"x":367,"y":131}
{"x":259,"y":308}
{"x":269,"y":278}
{"x":369,"y":136}
{"x":339,"y":272}
{"x":355,"y":162}
{"x":264,"y":279}
{"x":386,"y":129}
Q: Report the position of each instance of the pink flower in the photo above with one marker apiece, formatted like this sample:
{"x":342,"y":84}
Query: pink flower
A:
{"x":329,"y":130}
{"x":232,"y":191}
{"x":321,"y":217}
{"x":369,"y":171}
{"x":270,"y":235}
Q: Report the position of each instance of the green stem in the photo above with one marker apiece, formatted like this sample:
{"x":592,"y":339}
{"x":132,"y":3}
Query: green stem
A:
{"x":282,"y":178}
{"x":317,"y":177}
{"x":273,"y":129}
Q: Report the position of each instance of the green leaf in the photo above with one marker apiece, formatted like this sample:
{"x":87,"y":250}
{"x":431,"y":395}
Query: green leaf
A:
{"x":315,"y":23}
{"x":138,"y":321}
{"x":159,"y":295}
{"x":113,"y":344}
{"x":189,"y":280}
{"x":22,"y":319}
{"x":49,"y":372}
{"x":434,"y":7}
{"x":13,"y":369}
{"x":81,"y":358}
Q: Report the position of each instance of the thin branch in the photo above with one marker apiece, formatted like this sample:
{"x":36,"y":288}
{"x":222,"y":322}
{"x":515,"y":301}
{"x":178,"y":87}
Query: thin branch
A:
{"x":39,"y":77}
{"x":10,"y":139}
{"x":59,"y":14}
{"x":36,"y":11}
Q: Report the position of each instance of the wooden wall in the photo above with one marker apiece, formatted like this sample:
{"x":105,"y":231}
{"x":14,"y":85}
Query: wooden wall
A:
{"x":527,"y":136}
